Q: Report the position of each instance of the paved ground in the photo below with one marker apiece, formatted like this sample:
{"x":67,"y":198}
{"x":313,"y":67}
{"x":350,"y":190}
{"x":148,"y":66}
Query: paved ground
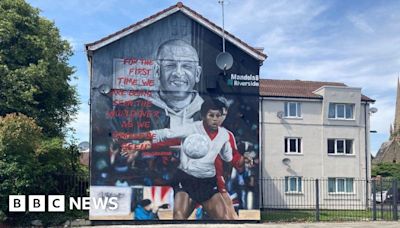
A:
{"x":268,"y":225}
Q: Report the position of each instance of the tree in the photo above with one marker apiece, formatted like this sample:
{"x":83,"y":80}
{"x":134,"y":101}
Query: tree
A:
{"x":19,"y":139}
{"x":386,"y":170}
{"x":34,"y":82}
{"x":31,"y":163}
{"x":34,"y":68}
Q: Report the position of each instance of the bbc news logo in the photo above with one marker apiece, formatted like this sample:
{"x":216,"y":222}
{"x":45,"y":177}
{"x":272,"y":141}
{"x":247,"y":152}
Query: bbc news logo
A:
{"x":56,"y":203}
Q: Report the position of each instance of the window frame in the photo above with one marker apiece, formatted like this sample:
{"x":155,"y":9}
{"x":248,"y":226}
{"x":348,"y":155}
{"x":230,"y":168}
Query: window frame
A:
{"x":298,"y":185}
{"x":345,"y":145}
{"x":287,"y":110}
{"x":346,"y":186}
{"x":345,"y":110}
{"x":298,"y":144}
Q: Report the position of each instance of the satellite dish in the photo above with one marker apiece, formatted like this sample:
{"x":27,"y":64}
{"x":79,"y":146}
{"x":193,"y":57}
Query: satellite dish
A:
{"x":83,"y":147}
{"x":224,"y":61}
{"x":373,"y":110}
{"x":104,"y":89}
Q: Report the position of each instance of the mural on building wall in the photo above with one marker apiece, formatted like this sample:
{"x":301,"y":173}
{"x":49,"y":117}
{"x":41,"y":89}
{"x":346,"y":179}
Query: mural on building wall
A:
{"x":176,"y":130}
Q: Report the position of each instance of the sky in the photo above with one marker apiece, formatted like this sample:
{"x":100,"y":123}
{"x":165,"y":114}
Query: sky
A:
{"x":354,"y":42}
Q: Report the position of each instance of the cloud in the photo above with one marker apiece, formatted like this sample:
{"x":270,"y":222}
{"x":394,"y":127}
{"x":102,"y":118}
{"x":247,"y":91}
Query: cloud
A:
{"x":359,"y":22}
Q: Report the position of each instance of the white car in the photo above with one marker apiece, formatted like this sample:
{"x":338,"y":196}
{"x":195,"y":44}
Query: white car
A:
{"x":378,"y":195}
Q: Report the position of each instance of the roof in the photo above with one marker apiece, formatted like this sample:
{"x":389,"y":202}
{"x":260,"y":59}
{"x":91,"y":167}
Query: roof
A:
{"x":389,"y":152}
{"x":255,"y":52}
{"x":297,"y":88}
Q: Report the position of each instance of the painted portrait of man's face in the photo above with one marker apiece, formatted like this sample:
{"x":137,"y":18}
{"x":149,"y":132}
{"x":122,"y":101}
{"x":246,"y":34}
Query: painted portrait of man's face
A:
{"x":179,"y":69}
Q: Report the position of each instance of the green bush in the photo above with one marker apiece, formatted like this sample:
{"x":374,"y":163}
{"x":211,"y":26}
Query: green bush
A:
{"x":386,"y":170}
{"x":31,"y":163}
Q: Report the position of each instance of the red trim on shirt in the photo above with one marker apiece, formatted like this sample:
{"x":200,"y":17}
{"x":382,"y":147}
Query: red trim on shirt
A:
{"x":236,"y":156}
{"x":237,"y":162}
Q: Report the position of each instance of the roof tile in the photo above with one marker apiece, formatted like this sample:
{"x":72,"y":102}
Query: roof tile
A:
{"x":297,"y":88}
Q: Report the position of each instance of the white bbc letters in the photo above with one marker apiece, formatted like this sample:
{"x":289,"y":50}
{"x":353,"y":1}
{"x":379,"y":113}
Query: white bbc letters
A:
{"x":16,"y":203}
{"x":56,"y":203}
{"x":36,"y":203}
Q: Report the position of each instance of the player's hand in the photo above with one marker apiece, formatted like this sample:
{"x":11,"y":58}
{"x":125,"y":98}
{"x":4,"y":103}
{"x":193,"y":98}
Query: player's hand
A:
{"x":131,"y":158}
{"x":113,"y":150}
{"x":248,"y":160}
{"x":127,"y":152}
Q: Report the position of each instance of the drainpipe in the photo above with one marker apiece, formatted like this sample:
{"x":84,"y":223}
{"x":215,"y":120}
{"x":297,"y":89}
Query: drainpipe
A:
{"x":90,"y":71}
{"x":261,"y":149}
{"x":366,"y":131}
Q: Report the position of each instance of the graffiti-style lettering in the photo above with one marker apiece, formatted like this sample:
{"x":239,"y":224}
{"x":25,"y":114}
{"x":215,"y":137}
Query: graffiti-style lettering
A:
{"x":130,"y":61}
{"x":133,"y":93}
{"x":127,"y":81}
{"x":140,"y":93}
{"x":130,"y":124}
{"x":148,"y":82}
{"x":118,"y":113}
{"x":141,"y":136}
{"x":132,"y":103}
{"x":127,"y":124}
{"x":131,"y":146}
{"x":119,"y":92}
{"x":145,"y":124}
{"x":139,"y":71}
{"x":147,"y":62}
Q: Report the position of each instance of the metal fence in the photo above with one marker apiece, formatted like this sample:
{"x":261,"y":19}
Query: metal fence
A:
{"x":332,"y":199}
{"x":67,"y":184}
{"x":295,"y":198}
{"x":76,"y":185}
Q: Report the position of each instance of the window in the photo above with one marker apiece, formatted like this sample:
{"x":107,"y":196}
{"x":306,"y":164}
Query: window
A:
{"x":340,"y":146}
{"x":293,"y":185}
{"x":293,"y":145}
{"x":341,"y":111}
{"x":292,"y":110}
{"x":340,"y":185}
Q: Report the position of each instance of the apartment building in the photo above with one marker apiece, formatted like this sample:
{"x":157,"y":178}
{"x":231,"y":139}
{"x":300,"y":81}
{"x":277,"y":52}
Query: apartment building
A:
{"x":314,"y":130}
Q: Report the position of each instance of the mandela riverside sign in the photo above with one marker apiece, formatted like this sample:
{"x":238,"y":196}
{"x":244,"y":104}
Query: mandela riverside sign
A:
{"x":244,"y":80}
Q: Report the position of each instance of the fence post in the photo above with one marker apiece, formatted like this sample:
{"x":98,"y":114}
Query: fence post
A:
{"x":317,"y":199}
{"x":394,"y":187}
{"x":381,"y":191}
{"x":262,"y":192}
{"x":374,"y":199}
